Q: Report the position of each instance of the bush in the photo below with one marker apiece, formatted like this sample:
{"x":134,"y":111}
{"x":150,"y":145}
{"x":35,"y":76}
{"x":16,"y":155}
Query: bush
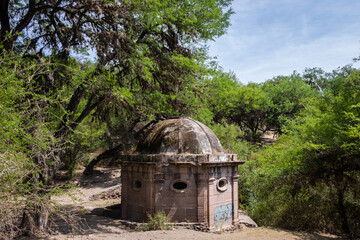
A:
{"x":156,"y":222}
{"x":231,"y":139}
{"x":86,"y":139}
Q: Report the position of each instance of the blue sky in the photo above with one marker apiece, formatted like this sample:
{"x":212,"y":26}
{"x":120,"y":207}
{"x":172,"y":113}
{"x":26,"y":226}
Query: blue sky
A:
{"x":268,"y":38}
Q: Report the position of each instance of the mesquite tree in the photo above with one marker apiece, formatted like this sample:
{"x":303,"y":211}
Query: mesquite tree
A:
{"x":143,"y":52}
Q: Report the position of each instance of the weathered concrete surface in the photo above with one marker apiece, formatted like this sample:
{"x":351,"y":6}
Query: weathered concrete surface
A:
{"x":246,"y":220}
{"x":194,"y":159}
{"x":181,"y":169}
{"x":180,"y":136}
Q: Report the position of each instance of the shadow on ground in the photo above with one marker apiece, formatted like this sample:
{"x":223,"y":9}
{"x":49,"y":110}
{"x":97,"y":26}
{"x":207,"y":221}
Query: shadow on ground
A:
{"x":94,"y":221}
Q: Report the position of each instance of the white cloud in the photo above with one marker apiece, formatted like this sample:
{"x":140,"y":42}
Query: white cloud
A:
{"x":261,"y":44}
{"x":327,"y":53}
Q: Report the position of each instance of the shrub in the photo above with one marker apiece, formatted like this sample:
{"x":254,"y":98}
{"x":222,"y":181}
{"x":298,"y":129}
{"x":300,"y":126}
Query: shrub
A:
{"x":231,"y":138}
{"x":156,"y":222}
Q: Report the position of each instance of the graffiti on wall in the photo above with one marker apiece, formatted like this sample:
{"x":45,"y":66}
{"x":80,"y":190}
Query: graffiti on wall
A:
{"x":223,"y":213}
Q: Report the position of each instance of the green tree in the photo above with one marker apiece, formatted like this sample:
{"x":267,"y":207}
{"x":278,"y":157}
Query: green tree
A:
{"x":309,"y":179}
{"x":148,"y":55}
{"x":285,"y":98}
{"x":236,"y":103}
{"x":247,"y":109}
{"x":232,"y":139}
{"x":316,"y":78}
{"x":28,"y":147}
{"x":216,"y":85}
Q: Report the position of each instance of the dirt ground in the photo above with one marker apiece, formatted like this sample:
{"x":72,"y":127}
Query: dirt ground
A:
{"x":102,"y":189}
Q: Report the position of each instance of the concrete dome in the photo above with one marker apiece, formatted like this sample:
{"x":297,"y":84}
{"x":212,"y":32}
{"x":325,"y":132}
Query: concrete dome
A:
{"x":179,"y":136}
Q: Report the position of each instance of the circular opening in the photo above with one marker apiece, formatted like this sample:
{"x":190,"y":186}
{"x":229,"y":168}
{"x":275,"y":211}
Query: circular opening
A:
{"x":179,"y":186}
{"x":222,"y":184}
{"x":137,"y":185}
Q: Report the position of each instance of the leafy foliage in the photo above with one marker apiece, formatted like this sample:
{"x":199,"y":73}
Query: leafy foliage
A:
{"x":256,"y":108}
{"x":315,"y":165}
{"x":285,"y":96}
{"x":148,"y":61}
{"x":27,"y":146}
{"x":157,"y":221}
{"x":232,"y":139}
{"x":238,"y":104}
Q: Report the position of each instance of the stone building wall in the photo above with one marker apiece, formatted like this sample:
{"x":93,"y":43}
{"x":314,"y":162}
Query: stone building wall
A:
{"x":137,"y":191}
{"x":180,"y":168}
{"x":179,"y":196}
{"x":223,"y":201}
{"x":210,"y":194}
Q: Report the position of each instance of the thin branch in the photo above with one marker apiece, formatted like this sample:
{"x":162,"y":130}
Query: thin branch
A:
{"x":71,"y":126}
{"x":26,"y":20}
{"x":72,"y":106}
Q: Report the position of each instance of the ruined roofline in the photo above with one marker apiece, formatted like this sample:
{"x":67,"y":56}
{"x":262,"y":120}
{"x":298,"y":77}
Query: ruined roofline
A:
{"x":179,"y":136}
{"x":180,"y":158}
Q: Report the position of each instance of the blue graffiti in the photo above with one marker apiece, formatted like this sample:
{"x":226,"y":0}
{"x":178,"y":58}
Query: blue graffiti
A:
{"x":223,"y":212}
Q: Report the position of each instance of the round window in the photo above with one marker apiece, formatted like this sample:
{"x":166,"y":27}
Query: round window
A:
{"x":222,"y":184}
{"x":137,"y":185}
{"x":179,"y":186}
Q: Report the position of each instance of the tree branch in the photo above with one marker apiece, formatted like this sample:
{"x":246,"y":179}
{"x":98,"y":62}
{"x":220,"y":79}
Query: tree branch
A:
{"x":4,"y":16}
{"x":72,"y":107}
{"x":89,"y":107}
{"x":26,"y":20}
{"x":5,"y":21}
{"x":62,"y":133}
{"x":113,"y":152}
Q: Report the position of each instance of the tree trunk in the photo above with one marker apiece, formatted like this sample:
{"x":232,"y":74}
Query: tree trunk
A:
{"x":35,"y":217}
{"x":107,"y":154}
{"x":342,"y":211}
{"x":36,"y":213}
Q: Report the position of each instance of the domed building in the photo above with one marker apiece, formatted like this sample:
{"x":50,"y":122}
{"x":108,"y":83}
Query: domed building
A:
{"x":180,"y":168}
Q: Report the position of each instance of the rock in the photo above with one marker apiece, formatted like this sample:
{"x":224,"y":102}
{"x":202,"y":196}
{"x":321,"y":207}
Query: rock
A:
{"x":246,"y":221}
{"x":113,"y":193}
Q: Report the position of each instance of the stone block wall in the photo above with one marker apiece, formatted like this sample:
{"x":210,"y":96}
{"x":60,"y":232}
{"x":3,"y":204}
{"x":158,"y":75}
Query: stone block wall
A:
{"x":179,"y":195}
{"x":137,"y":193}
{"x":223,"y":196}
{"x":184,"y":191}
